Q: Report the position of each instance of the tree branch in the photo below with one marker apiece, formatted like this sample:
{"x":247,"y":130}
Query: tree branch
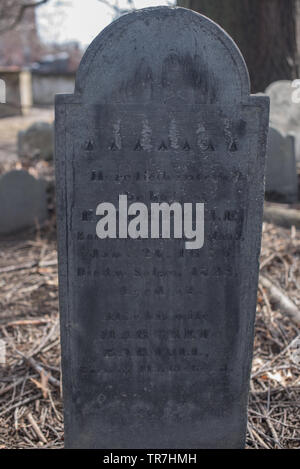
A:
{"x":21,"y":13}
{"x":117,"y":9}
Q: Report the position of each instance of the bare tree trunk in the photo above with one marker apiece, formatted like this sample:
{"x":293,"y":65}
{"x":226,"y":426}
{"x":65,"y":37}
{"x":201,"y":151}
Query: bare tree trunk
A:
{"x":264,"y":30}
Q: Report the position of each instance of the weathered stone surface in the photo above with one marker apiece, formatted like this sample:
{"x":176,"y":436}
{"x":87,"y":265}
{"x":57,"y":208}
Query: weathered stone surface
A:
{"x":23,"y":201}
{"x":281,"y":172}
{"x":157,"y":338}
{"x":37,"y":141}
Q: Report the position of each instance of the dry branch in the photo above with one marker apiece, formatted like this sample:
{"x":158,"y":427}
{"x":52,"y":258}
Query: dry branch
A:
{"x":39,"y":369}
{"x":282,"y":216}
{"x":19,"y":14}
{"x":36,"y":428}
{"x":284,"y":303}
{"x":29,"y":265}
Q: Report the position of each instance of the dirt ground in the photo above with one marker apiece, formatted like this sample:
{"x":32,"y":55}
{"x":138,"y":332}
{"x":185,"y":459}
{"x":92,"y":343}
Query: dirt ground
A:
{"x":30,"y":380}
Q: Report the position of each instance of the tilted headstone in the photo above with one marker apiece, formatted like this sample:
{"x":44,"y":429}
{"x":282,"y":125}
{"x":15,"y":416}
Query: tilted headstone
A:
{"x":285,"y":109}
{"x":157,"y":331}
{"x":281,"y":171}
{"x":23,"y":201}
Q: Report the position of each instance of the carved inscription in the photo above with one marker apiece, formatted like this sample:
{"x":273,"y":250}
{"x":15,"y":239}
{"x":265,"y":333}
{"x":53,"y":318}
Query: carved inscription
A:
{"x":204,"y":137}
{"x":167,"y":270}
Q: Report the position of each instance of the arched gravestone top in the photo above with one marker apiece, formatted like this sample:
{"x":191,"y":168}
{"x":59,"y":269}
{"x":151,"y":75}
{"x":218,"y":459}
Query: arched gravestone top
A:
{"x":157,"y":333}
{"x":197,"y":63}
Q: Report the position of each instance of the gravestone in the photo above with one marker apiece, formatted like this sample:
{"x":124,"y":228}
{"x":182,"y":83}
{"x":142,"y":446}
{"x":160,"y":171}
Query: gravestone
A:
{"x":285,"y":109}
{"x":157,"y":327}
{"x":36,"y":142}
{"x":23,"y":201}
{"x":281,"y":171}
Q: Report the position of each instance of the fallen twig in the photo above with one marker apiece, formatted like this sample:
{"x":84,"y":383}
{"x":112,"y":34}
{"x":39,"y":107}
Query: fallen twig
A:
{"x":40,"y":369}
{"x":19,"y":404}
{"x":27,"y":322}
{"x":277,"y":296}
{"x":36,"y":428}
{"x":11,"y":386}
{"x":28,"y":265}
{"x":282,"y":216}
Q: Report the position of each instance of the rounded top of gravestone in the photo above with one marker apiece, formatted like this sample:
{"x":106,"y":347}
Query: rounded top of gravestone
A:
{"x":163,"y":55}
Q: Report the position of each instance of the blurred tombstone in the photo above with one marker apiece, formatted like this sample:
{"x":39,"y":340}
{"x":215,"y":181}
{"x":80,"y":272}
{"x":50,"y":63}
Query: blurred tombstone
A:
{"x":36,"y":142}
{"x":2,"y":92}
{"x":285,"y":109}
{"x":157,"y":334}
{"x":281,"y":171}
{"x":23,"y":201}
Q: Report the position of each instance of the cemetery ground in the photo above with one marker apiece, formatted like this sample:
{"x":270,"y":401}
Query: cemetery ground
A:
{"x":31,"y":414}
{"x":30,"y":393}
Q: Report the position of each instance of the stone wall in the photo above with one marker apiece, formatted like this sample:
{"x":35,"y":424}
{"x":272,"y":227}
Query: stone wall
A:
{"x":45,"y":86}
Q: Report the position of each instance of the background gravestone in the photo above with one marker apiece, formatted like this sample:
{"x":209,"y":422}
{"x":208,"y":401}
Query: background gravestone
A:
{"x":36,"y":142}
{"x":284,"y":113}
{"x":23,"y":201}
{"x":156,"y":339}
{"x":281,"y":173}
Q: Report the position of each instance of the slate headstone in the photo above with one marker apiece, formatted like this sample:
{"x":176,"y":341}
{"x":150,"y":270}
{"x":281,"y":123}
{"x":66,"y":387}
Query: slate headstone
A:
{"x":281,"y":171}
{"x":23,"y":201}
{"x":157,"y":332}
